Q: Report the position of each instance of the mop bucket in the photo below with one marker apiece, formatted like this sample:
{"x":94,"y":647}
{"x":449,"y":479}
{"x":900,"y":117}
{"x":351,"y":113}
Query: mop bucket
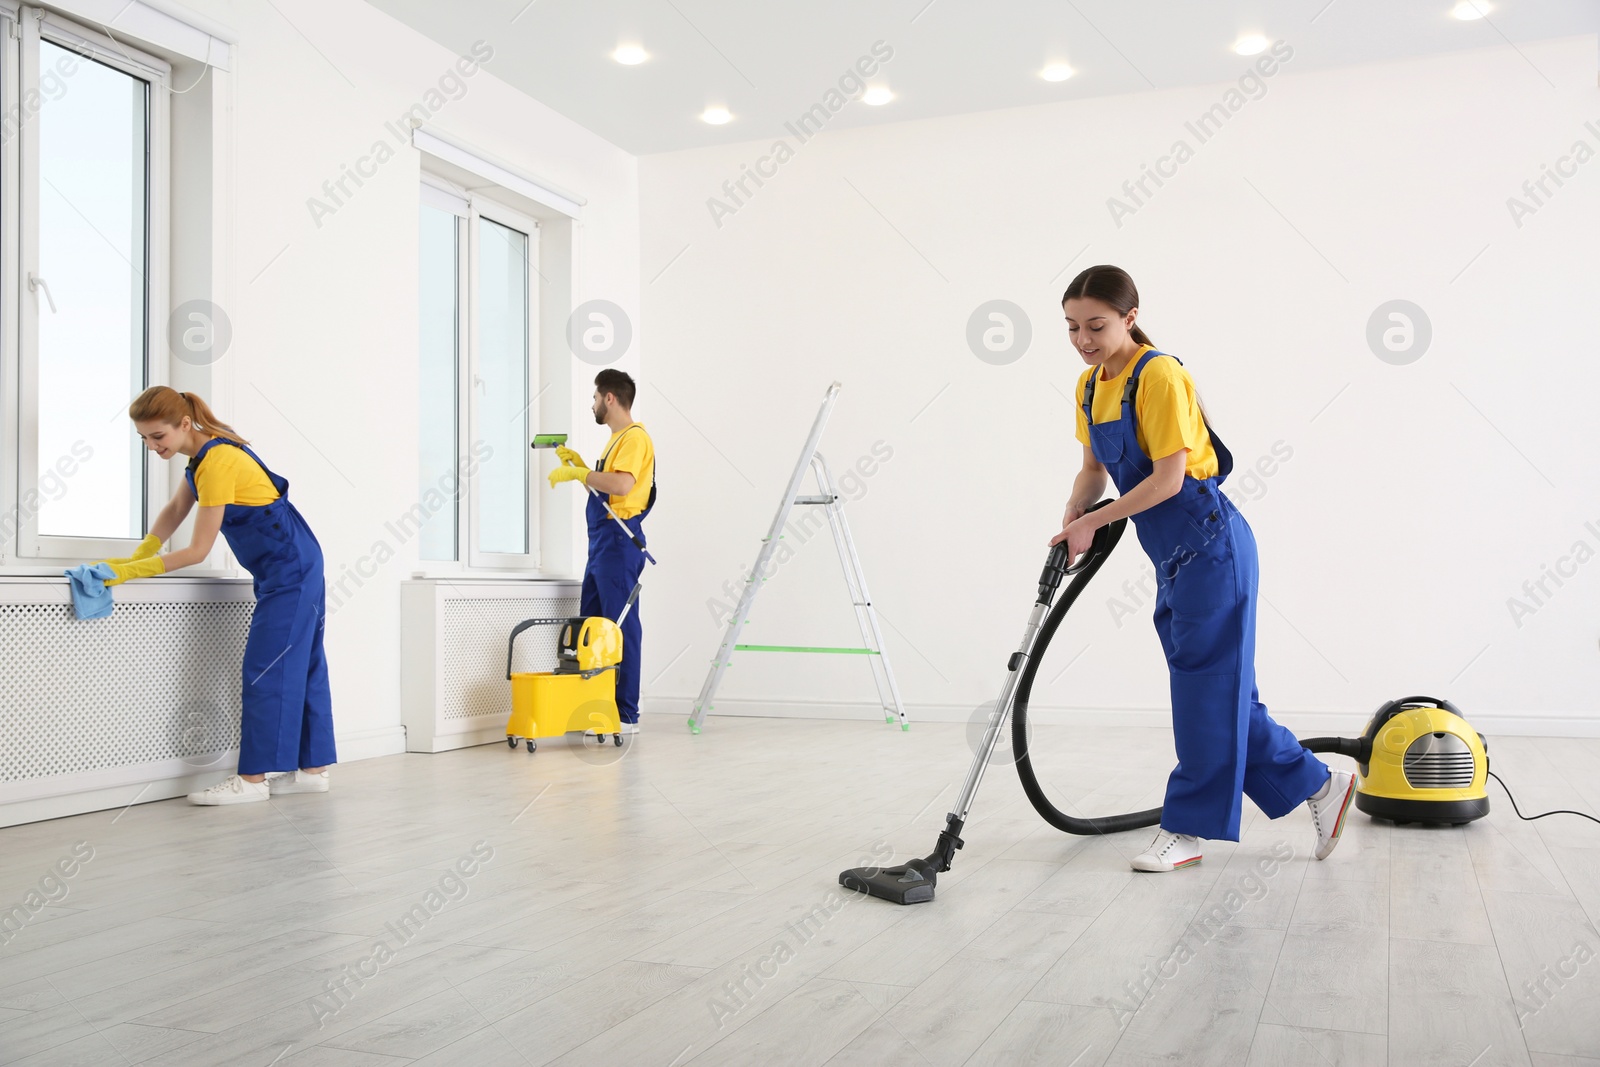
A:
{"x":580,"y":695}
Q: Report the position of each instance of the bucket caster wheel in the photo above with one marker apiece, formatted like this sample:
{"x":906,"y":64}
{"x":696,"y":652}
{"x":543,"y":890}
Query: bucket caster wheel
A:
{"x":617,"y":739}
{"x":531,"y":746}
{"x":511,"y":740}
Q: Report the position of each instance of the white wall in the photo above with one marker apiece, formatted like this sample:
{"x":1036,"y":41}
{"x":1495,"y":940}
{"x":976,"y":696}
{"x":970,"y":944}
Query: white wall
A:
{"x":322,"y":373}
{"x":1413,"y":505}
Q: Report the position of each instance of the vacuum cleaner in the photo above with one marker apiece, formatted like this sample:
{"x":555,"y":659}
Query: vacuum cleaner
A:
{"x":1419,"y":760}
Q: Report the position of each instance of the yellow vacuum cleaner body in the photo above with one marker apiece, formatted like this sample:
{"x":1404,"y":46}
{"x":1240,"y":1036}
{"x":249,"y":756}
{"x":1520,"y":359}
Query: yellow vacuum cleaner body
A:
{"x":1425,"y":764}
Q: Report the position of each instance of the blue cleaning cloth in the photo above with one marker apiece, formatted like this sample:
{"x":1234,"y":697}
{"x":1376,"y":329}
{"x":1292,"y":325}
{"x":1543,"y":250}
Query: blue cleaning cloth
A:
{"x":91,"y":597}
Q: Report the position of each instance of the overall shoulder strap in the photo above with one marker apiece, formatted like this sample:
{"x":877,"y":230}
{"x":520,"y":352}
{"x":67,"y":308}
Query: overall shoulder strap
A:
{"x":272,"y":478}
{"x":601,"y":466}
{"x":194,"y":464}
{"x":247,"y":450}
{"x":1131,"y":390}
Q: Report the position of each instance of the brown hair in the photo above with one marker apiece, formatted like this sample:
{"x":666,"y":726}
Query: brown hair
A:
{"x":1111,"y":286}
{"x":161,"y":403}
{"x":1114,"y":287}
{"x":618,"y":383}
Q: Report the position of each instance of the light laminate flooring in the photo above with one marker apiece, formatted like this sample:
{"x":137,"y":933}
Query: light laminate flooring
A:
{"x":675,"y":902}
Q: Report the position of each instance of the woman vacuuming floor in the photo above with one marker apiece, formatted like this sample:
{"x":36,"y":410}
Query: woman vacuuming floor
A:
{"x":286,"y":720}
{"x":1140,"y":420}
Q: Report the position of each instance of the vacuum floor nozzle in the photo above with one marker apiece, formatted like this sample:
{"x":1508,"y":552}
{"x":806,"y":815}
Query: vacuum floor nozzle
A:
{"x":909,"y":883}
{"x":912,"y":882}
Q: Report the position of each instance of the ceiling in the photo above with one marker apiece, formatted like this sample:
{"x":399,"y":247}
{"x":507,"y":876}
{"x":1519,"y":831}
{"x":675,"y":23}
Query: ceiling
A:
{"x":767,"y":61}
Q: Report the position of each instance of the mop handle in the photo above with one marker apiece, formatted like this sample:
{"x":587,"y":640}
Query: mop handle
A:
{"x":631,"y":598}
{"x":618,"y":520}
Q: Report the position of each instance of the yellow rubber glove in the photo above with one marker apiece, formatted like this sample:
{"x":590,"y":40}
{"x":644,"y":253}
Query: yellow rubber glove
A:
{"x":567,"y":474}
{"x":569,"y":456}
{"x":139,"y":568}
{"x":147,"y":548}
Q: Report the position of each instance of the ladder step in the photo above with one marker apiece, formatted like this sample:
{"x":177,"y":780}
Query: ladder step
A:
{"x":815,"y":499}
{"x":808,"y":648}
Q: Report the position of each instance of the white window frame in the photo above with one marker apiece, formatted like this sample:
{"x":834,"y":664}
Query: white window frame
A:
{"x":20,"y":182}
{"x":484,"y":208}
{"x":469,"y":209}
{"x":444,"y":198}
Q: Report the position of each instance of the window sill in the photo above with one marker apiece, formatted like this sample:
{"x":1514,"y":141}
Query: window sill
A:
{"x":491,"y":576}
{"x":57,"y":578}
{"x":54,"y":574}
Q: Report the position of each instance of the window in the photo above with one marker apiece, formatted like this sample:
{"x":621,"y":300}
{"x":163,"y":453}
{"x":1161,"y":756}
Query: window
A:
{"x":500,"y":388}
{"x":439,"y":315}
{"x":83,"y":138}
{"x":477,"y":316}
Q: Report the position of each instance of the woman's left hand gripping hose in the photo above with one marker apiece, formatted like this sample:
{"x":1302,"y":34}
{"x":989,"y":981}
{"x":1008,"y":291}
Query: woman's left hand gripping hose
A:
{"x":135,"y":568}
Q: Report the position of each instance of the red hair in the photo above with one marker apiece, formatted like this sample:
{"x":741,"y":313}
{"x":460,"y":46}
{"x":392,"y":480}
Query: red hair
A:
{"x":161,"y":403}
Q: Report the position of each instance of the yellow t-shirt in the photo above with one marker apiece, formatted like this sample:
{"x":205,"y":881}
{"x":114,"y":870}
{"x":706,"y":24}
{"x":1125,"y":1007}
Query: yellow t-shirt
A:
{"x":1165,"y":409}
{"x":227,"y":475}
{"x":631,"y":450}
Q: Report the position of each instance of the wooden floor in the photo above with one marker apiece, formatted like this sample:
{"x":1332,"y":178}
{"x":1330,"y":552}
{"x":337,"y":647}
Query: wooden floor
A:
{"x":675,"y":902}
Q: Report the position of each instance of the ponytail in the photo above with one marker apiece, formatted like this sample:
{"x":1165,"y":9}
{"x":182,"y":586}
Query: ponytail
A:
{"x":206,"y":421}
{"x":161,"y":403}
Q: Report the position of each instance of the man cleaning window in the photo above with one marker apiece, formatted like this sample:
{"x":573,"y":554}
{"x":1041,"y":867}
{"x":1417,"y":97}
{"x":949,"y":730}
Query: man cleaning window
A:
{"x":624,"y":478}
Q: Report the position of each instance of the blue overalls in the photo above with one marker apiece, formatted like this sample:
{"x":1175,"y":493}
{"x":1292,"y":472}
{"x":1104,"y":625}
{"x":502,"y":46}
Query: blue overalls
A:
{"x":286,"y":720}
{"x":613,"y":569}
{"x":1205,"y":614}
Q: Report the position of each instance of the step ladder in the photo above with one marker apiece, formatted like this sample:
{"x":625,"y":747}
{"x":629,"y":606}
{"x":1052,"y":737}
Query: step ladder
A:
{"x":826,"y":497}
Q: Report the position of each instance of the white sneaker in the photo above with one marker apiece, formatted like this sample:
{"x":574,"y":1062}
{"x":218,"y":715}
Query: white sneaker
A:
{"x":1327,"y":811}
{"x":231,"y":790}
{"x":1168,"y":852}
{"x":627,"y":728}
{"x":298,"y":782}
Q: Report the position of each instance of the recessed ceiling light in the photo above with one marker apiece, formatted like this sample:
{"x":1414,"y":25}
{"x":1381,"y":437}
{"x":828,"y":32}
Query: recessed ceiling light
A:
{"x":630,"y":55}
{"x":716,"y":116}
{"x":1468,"y":10}
{"x":1250,"y":44}
{"x":1056,"y":72}
{"x":876,"y":95}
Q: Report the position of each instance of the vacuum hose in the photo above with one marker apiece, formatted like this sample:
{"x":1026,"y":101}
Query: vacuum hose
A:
{"x":1106,"y":539}
{"x":913,"y":881}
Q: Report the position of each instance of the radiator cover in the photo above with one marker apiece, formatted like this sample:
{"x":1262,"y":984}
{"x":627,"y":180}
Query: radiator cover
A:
{"x":150,"y":694}
{"x":454,"y":691}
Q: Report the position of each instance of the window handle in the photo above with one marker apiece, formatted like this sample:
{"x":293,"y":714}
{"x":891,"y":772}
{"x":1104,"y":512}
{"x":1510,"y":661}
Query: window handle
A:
{"x":35,"y":283}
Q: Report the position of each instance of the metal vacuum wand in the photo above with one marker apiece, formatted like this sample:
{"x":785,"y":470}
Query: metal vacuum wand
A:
{"x":913,"y":882}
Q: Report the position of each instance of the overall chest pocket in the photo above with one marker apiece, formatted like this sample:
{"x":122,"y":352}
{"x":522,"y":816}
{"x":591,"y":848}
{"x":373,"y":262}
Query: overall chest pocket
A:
{"x":1106,"y":440}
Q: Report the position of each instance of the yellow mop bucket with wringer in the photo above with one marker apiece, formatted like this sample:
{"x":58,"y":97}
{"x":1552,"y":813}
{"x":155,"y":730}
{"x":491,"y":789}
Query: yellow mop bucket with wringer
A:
{"x":579,"y":695}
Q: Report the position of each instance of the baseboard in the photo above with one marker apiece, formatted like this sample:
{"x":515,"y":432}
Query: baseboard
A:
{"x":367,"y":744}
{"x":1303,"y":723}
{"x":106,"y":798}
{"x":122,"y":787}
